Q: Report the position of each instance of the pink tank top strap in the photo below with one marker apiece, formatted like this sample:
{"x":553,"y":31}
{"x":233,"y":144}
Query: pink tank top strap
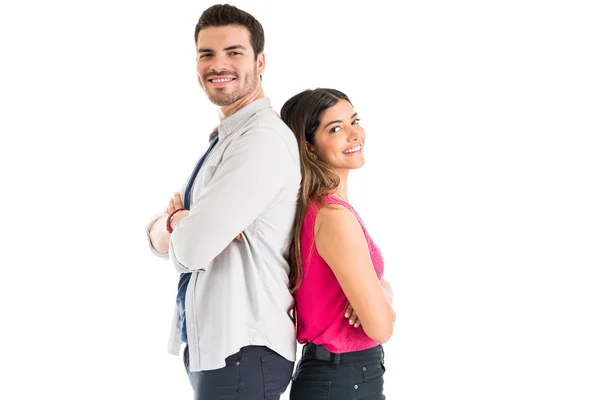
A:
{"x":332,"y":199}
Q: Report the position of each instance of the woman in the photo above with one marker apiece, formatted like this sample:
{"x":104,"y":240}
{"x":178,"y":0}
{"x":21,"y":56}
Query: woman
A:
{"x":343,"y":307}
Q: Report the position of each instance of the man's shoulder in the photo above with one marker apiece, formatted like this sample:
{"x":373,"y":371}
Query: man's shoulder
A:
{"x":268,"y":118}
{"x":268,"y":122}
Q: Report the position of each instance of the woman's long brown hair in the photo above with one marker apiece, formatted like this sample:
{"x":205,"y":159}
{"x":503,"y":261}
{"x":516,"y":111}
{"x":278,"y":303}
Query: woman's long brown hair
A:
{"x":303,"y":113}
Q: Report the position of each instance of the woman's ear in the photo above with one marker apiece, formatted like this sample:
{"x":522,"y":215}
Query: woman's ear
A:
{"x":311,"y":151}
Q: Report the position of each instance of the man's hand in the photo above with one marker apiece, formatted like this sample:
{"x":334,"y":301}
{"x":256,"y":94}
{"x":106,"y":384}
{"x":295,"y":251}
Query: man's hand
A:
{"x":178,"y":217}
{"x":174,"y":203}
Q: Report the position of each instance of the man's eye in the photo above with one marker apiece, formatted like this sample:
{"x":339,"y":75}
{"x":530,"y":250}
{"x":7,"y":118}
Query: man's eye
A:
{"x":235,"y":53}
{"x":203,"y":55}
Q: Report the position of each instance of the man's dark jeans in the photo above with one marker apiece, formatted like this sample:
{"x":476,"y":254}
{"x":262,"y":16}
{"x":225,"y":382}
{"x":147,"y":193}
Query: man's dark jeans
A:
{"x":253,"y":373}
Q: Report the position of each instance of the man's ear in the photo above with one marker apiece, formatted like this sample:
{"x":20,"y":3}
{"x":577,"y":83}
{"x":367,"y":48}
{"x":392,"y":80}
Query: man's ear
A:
{"x":260,"y":63}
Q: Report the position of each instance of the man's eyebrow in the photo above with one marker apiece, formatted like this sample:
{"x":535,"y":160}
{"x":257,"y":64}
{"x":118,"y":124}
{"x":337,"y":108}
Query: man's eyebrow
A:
{"x":234,"y":47}
{"x":337,"y":121}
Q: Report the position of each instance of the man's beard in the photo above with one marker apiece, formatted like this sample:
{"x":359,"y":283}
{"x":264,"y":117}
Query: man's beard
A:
{"x":223,"y":99}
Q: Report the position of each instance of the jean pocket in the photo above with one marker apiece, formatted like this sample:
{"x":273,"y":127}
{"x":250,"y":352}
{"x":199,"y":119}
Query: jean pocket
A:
{"x":277,"y":373}
{"x":234,"y":359}
{"x":310,"y":390}
{"x":372,"y":372}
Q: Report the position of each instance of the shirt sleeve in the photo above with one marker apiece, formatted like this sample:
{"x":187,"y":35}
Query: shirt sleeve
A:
{"x":252,"y":172}
{"x":148,"y":226}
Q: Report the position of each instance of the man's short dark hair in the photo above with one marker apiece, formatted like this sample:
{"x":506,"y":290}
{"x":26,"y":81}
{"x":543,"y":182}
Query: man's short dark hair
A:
{"x":225,"y":14}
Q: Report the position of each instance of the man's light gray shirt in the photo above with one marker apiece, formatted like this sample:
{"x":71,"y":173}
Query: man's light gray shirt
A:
{"x":238,"y":292}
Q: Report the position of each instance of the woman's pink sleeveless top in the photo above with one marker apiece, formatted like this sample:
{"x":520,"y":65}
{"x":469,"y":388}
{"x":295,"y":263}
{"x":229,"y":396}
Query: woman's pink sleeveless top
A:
{"x":320,"y":301}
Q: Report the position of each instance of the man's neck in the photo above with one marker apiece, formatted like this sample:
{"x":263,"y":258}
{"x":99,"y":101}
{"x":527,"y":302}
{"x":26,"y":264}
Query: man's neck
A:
{"x":231,"y":109}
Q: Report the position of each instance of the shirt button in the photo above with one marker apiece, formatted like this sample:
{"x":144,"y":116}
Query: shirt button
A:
{"x":364,"y":368}
{"x":355,"y":386}
{"x":237,"y":363}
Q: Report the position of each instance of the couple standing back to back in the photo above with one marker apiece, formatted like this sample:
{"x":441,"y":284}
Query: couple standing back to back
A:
{"x":262,"y":226}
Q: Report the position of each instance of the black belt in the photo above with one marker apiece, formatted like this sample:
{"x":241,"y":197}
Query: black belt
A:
{"x":319,"y":352}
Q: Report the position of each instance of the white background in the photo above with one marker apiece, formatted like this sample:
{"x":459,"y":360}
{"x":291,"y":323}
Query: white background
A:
{"x":481,"y":185}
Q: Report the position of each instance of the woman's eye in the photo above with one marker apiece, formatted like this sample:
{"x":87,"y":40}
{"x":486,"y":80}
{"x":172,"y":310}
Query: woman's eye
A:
{"x":356,"y":121}
{"x":335,"y":129}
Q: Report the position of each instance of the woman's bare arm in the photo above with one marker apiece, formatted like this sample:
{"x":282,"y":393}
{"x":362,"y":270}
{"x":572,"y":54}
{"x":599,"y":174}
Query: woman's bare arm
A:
{"x":341,"y":242}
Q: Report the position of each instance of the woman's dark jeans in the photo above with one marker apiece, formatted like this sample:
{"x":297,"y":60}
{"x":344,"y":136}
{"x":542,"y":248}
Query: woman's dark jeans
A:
{"x":349,"y":376}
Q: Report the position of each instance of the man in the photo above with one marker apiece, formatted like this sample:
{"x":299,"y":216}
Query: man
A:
{"x":233,"y":297}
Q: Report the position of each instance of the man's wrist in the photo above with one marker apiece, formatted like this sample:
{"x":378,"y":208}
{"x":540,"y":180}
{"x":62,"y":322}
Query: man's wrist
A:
{"x":169,"y":222}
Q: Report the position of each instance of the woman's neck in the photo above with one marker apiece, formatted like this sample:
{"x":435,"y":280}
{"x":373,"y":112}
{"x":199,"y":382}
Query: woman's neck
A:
{"x":342,"y":190}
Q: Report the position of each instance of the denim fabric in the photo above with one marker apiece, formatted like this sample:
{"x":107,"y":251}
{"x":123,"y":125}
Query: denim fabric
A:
{"x":354,"y":376}
{"x":253,"y":373}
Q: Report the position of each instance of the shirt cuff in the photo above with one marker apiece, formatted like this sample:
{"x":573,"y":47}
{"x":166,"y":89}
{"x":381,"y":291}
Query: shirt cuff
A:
{"x":148,"y":226}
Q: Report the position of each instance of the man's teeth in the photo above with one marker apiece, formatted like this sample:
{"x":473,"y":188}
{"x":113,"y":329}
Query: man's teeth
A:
{"x":353,"y":150}
{"x":223,"y":80}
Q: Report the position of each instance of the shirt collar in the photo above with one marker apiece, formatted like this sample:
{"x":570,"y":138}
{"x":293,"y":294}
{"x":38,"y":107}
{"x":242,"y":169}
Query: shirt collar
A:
{"x":231,"y":123}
